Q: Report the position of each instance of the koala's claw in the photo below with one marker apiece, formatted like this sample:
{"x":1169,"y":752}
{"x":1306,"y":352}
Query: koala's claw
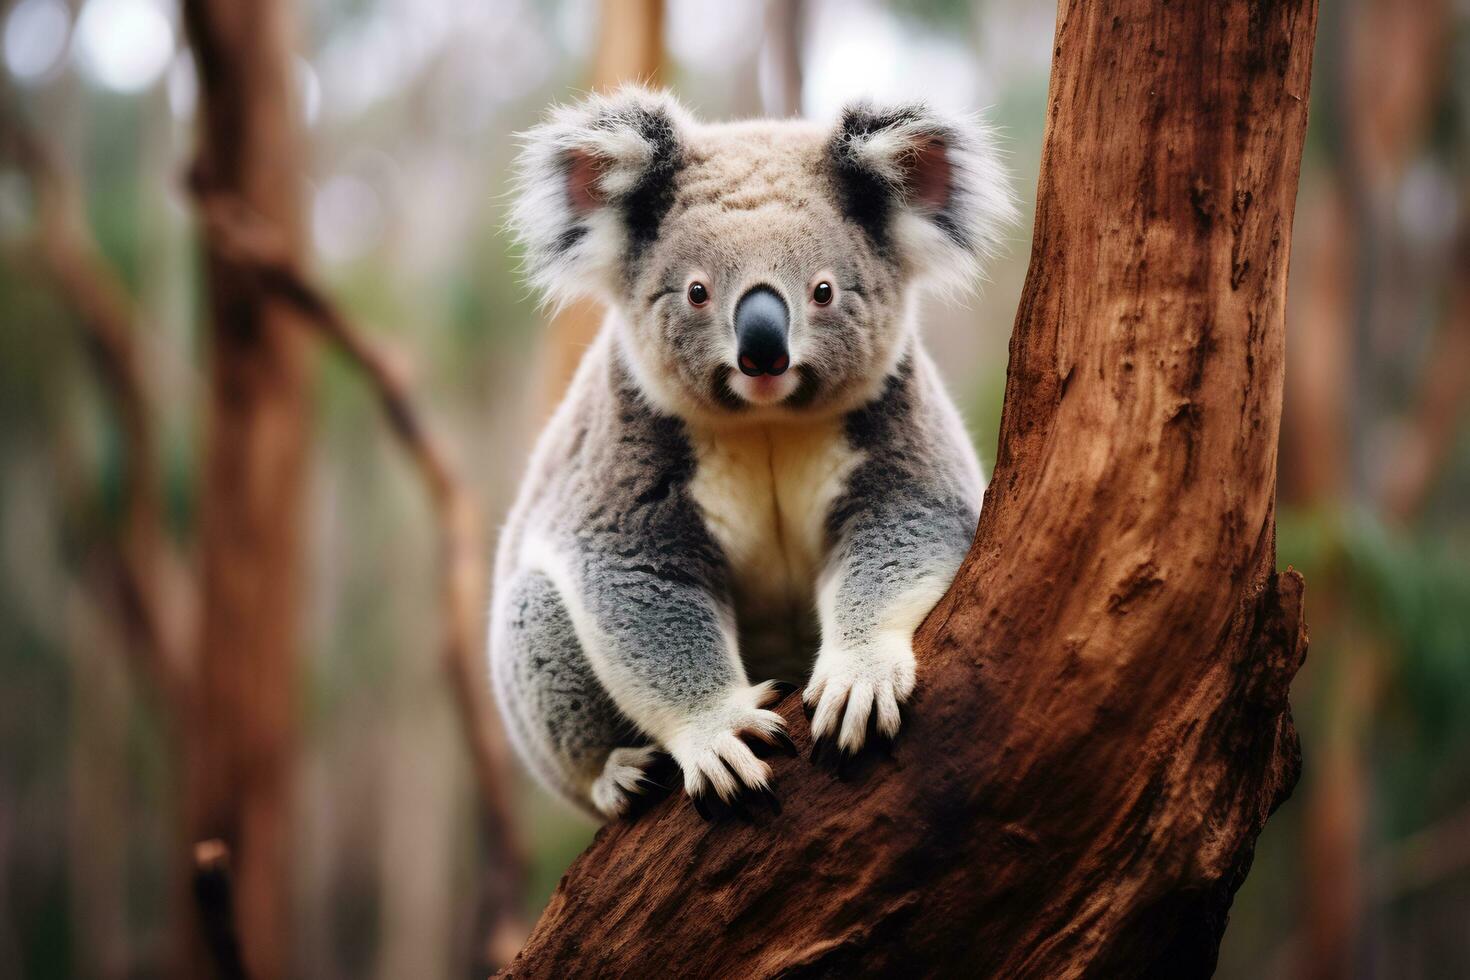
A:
{"x":658,"y":781}
{"x":625,"y":776}
{"x":727,"y":767}
{"x":780,"y":689}
{"x":768,"y":745}
{"x":826,"y":754}
{"x":711,"y":808}
{"x":714,"y":754}
{"x":851,"y":696}
{"x":842,"y":763}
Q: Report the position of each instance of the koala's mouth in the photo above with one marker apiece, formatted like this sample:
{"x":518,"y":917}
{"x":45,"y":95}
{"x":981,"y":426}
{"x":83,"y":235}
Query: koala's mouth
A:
{"x":764,"y":389}
{"x":795,"y":388}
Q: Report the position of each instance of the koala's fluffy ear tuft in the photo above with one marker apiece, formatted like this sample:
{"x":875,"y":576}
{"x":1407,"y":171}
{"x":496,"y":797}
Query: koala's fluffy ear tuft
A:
{"x":928,"y":187}
{"x":593,"y":183}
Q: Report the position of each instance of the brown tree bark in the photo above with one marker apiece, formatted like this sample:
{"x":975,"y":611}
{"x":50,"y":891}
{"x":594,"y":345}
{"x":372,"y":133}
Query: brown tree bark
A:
{"x":1101,"y":725}
{"x":256,"y":429}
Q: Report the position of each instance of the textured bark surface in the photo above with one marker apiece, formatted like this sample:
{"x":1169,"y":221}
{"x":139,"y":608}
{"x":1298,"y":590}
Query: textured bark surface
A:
{"x":1101,"y":726}
{"x":242,"y":731}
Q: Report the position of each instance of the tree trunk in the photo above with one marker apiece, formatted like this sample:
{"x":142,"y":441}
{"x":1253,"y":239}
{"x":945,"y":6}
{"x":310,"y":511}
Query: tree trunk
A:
{"x":242,"y":737}
{"x":1101,"y":725}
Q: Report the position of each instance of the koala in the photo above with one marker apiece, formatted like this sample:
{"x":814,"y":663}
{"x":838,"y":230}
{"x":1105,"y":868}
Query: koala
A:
{"x":756,"y":475}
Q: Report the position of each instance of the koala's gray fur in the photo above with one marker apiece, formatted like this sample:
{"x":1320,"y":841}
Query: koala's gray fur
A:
{"x":685,"y":527}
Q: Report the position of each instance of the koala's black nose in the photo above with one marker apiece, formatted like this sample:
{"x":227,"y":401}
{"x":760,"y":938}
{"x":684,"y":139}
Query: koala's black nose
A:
{"x":760,"y":333}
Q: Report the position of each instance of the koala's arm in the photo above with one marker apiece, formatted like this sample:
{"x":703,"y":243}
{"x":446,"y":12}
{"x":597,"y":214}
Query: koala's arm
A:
{"x":894,"y":563}
{"x":663,"y":646}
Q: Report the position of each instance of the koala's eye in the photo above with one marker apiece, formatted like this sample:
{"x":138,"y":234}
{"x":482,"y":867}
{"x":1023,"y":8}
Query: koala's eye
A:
{"x":698,"y":294}
{"x":822,"y":294}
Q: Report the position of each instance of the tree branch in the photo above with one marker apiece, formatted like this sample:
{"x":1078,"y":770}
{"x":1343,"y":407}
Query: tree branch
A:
{"x":238,"y":236}
{"x":155,"y":589}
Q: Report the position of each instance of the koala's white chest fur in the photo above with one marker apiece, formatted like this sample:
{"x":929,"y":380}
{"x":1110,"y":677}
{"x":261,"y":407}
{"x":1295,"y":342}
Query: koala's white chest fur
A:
{"x":765,"y":492}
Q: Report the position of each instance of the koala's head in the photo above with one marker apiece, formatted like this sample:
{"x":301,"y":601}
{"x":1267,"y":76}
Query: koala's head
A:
{"x":759,"y":268}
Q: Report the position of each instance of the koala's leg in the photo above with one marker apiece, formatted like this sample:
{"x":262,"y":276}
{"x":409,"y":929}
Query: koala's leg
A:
{"x":893,"y":564}
{"x":665,"y":650}
{"x":580,"y":745}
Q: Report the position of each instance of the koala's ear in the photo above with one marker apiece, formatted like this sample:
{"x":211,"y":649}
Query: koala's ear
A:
{"x":928,"y":187}
{"x":594,"y":182}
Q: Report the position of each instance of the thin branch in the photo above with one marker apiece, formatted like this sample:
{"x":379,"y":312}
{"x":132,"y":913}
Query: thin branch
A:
{"x":239,"y":236}
{"x":156,"y":591}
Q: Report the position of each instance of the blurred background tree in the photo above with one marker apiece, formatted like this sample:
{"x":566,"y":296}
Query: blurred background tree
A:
{"x":406,"y":110}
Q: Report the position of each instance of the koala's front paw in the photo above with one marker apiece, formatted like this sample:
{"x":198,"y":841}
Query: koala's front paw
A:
{"x":848,"y":686}
{"x":625,"y":776}
{"x":714,"y":756}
